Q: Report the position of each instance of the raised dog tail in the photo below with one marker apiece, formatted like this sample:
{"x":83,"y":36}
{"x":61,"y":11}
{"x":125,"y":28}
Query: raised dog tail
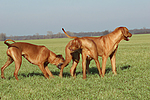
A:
{"x":72,"y":37}
{"x":5,"y":42}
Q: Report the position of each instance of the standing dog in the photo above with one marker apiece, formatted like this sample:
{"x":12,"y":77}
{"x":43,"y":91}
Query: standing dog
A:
{"x":89,"y":52}
{"x":106,"y":47}
{"x":38,"y":55}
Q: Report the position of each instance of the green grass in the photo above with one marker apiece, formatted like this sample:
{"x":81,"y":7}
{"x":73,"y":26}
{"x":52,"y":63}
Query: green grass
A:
{"x":131,"y":82}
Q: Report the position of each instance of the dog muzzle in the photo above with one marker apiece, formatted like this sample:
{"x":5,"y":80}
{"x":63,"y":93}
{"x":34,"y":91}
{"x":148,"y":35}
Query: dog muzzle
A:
{"x":59,"y":65}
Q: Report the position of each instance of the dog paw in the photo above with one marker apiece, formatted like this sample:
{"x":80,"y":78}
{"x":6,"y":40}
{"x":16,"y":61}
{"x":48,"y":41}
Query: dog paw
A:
{"x":3,"y":77}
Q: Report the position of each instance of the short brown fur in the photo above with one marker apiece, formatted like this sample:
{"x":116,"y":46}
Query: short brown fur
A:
{"x":89,"y":51}
{"x":35,"y":54}
{"x":106,"y":47}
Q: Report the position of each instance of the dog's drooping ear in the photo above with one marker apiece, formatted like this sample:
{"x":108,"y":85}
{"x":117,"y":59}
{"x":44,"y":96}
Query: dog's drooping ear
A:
{"x":59,"y":56}
{"x":124,"y":31}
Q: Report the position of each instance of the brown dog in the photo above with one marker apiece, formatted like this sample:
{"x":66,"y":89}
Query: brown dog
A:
{"x":89,"y":52}
{"x":38,"y":55}
{"x":106,"y":46}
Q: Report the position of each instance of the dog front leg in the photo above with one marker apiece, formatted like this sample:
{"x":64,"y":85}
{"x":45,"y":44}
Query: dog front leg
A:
{"x":49,"y":72}
{"x":113,"y":64}
{"x":87,"y":65}
{"x":41,"y":66}
{"x":104,"y":59}
{"x":113,"y":61}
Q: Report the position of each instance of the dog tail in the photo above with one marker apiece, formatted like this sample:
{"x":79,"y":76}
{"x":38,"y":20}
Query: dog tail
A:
{"x":72,"y":37}
{"x":5,"y":42}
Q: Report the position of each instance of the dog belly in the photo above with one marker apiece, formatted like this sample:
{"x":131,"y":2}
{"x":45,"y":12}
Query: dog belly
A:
{"x":31,"y":60}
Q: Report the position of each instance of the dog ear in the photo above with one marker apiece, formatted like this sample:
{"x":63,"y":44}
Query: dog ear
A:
{"x":124,"y":31}
{"x":59,"y":56}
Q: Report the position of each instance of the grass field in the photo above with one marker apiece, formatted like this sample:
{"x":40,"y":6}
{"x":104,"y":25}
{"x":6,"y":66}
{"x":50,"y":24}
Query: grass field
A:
{"x":131,"y":82}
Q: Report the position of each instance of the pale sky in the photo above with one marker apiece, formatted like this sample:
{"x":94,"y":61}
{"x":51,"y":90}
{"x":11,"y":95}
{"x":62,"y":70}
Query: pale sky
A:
{"x":28,"y":17}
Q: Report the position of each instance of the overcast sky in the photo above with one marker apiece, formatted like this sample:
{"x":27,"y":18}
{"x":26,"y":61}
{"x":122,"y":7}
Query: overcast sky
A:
{"x":28,"y":17}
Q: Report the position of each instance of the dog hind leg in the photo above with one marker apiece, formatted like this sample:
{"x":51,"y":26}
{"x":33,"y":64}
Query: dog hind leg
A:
{"x":73,"y":69}
{"x":8,"y":62}
{"x":17,"y":67}
{"x":98,"y":67}
{"x":17,"y":57}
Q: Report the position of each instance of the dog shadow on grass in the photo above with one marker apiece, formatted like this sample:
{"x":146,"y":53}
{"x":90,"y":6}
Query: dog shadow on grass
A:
{"x":29,"y":74}
{"x":125,"y":67}
{"x":94,"y":70}
{"x":65,"y":74}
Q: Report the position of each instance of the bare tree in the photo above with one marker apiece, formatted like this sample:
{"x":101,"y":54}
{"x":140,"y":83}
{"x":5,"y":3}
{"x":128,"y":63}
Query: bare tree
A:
{"x":49,"y":34}
{"x":2,"y":36}
{"x":70,"y":33}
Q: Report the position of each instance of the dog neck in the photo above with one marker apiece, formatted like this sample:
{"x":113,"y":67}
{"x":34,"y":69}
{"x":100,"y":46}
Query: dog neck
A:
{"x":116,"y":38}
{"x":52,"y":58}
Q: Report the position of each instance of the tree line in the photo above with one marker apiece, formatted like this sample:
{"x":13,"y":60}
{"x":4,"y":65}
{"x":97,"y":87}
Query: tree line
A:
{"x":51,"y":35}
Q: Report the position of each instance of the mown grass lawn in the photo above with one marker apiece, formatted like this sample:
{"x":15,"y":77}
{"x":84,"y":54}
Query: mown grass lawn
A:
{"x":131,"y":82}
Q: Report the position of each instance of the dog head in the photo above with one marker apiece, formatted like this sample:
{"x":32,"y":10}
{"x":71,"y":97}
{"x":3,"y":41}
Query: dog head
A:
{"x":126,"y":33}
{"x":75,"y":44}
{"x":59,"y":61}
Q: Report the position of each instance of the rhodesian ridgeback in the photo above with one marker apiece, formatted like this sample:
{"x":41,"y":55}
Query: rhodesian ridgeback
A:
{"x":106,"y":47}
{"x":35,"y":54}
{"x":89,"y":52}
